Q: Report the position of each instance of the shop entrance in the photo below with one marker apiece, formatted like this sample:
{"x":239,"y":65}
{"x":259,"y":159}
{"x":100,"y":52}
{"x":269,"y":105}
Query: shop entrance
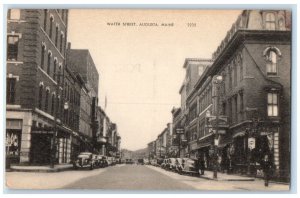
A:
{"x":40,"y":152}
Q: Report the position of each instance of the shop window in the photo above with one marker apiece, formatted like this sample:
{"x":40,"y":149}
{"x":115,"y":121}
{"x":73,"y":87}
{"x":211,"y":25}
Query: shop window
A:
{"x":12,"y":47}
{"x":11,"y":90}
{"x":270,"y":21}
{"x":272,"y":104}
{"x":13,"y":141}
{"x":14,"y":14}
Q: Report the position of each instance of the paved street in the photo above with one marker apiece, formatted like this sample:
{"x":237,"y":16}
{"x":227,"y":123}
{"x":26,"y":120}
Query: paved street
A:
{"x":129,"y":177}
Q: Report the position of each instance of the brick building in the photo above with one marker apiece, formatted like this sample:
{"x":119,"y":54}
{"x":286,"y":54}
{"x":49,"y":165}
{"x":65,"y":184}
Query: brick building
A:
{"x":252,"y":100}
{"x":36,"y":41}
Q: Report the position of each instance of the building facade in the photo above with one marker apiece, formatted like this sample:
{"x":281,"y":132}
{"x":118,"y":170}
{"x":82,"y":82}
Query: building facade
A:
{"x":36,"y":42}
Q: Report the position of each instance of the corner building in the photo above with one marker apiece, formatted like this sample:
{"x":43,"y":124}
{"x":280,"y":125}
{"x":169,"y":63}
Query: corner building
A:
{"x":254,"y":60}
{"x":36,"y":42}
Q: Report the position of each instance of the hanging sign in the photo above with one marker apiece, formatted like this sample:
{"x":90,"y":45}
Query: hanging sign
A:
{"x":251,"y":143}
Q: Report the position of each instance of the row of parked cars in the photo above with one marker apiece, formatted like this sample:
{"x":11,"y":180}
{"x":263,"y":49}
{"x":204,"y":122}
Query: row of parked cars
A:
{"x":91,"y":161}
{"x":179,"y":165}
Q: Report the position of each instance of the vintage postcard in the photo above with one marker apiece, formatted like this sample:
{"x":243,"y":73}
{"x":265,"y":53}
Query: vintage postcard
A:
{"x":148,"y":99}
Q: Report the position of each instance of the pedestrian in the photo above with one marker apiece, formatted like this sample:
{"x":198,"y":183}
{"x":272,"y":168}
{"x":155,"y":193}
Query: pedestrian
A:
{"x":201,"y":164}
{"x":267,"y":167}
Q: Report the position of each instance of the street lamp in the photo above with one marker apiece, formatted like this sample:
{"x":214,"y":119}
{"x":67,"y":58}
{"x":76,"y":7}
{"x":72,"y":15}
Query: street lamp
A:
{"x":56,"y":113}
{"x":217,"y":80}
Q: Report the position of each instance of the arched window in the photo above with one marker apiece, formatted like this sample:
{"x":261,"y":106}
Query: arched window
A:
{"x":271,"y":54}
{"x":49,"y":62}
{"x":270,"y":21}
{"x":47,"y":99}
{"x":54,"y":69}
{"x":40,"y":96}
{"x":45,"y":19}
{"x":281,"y":24}
{"x":61,"y":42}
{"x":56,"y":35}
{"x":59,"y":74}
{"x":53,"y":104}
{"x":43,"y":56}
{"x":51,"y":27}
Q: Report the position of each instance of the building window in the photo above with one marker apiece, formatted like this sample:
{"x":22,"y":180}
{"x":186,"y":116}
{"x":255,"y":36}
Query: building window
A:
{"x":63,"y":14}
{"x":49,"y":62}
{"x":11,"y":90}
{"x":272,"y":104}
{"x":14,"y":14}
{"x":59,"y":75}
{"x":281,"y":24}
{"x":43,"y":56}
{"x":56,"y":35}
{"x":61,"y":42}
{"x":47,"y":99}
{"x":54,"y":68}
{"x":51,"y":27}
{"x":52,"y":104}
{"x":240,"y":62}
{"x":45,"y":19}
{"x":270,"y":21}
{"x":12,"y":47}
{"x":40,"y":96}
{"x":234,"y":73}
{"x":271,"y":63}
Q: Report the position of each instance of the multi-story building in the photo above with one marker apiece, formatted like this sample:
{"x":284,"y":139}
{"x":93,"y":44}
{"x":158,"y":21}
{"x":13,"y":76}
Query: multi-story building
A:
{"x":36,"y":42}
{"x":82,"y":64}
{"x":151,"y":150}
{"x":254,"y":63}
{"x":194,"y":69}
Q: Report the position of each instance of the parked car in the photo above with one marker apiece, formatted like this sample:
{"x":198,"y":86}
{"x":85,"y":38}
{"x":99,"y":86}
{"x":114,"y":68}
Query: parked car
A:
{"x":85,"y":160}
{"x":171,"y":164}
{"x":164,"y":163}
{"x":178,"y":167}
{"x":140,"y":161}
{"x":129,"y":161}
{"x":189,"y":166}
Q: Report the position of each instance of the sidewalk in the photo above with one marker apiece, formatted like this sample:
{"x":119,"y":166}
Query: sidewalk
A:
{"x":57,"y":168}
{"x":225,"y":177}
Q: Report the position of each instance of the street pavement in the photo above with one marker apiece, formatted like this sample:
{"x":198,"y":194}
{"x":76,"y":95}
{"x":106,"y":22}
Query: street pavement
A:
{"x":131,"y":177}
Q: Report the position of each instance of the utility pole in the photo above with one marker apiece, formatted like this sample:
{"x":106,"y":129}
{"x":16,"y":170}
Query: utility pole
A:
{"x":56,"y":111}
{"x":217,"y":80}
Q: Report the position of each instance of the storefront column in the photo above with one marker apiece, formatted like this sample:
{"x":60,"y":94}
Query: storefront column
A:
{"x":25,"y":144}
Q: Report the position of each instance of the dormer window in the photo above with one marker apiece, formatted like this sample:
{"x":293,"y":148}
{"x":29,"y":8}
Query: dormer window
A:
{"x":270,"y":21}
{"x":272,"y":54}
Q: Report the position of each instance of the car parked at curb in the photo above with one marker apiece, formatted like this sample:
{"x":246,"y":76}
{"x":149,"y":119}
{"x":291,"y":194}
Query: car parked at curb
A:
{"x":85,"y":160}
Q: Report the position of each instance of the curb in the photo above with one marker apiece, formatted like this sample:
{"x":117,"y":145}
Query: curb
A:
{"x":40,"y":170}
{"x":220,"y":179}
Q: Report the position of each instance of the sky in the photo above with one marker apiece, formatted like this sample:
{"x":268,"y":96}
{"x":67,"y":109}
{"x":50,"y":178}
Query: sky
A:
{"x":141,"y":67}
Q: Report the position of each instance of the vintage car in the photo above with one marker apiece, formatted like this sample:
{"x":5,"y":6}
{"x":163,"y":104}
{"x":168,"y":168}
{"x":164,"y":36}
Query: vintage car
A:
{"x":189,"y":166}
{"x":178,"y":167}
{"x":85,"y":160}
{"x":171,"y":164}
{"x":164,"y":163}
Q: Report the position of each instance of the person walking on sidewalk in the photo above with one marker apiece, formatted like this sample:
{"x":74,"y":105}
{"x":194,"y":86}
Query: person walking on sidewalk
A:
{"x":201,"y":163}
{"x":267,"y":167}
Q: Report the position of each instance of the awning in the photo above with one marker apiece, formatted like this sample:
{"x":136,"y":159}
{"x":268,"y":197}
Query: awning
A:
{"x":239,"y":134}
